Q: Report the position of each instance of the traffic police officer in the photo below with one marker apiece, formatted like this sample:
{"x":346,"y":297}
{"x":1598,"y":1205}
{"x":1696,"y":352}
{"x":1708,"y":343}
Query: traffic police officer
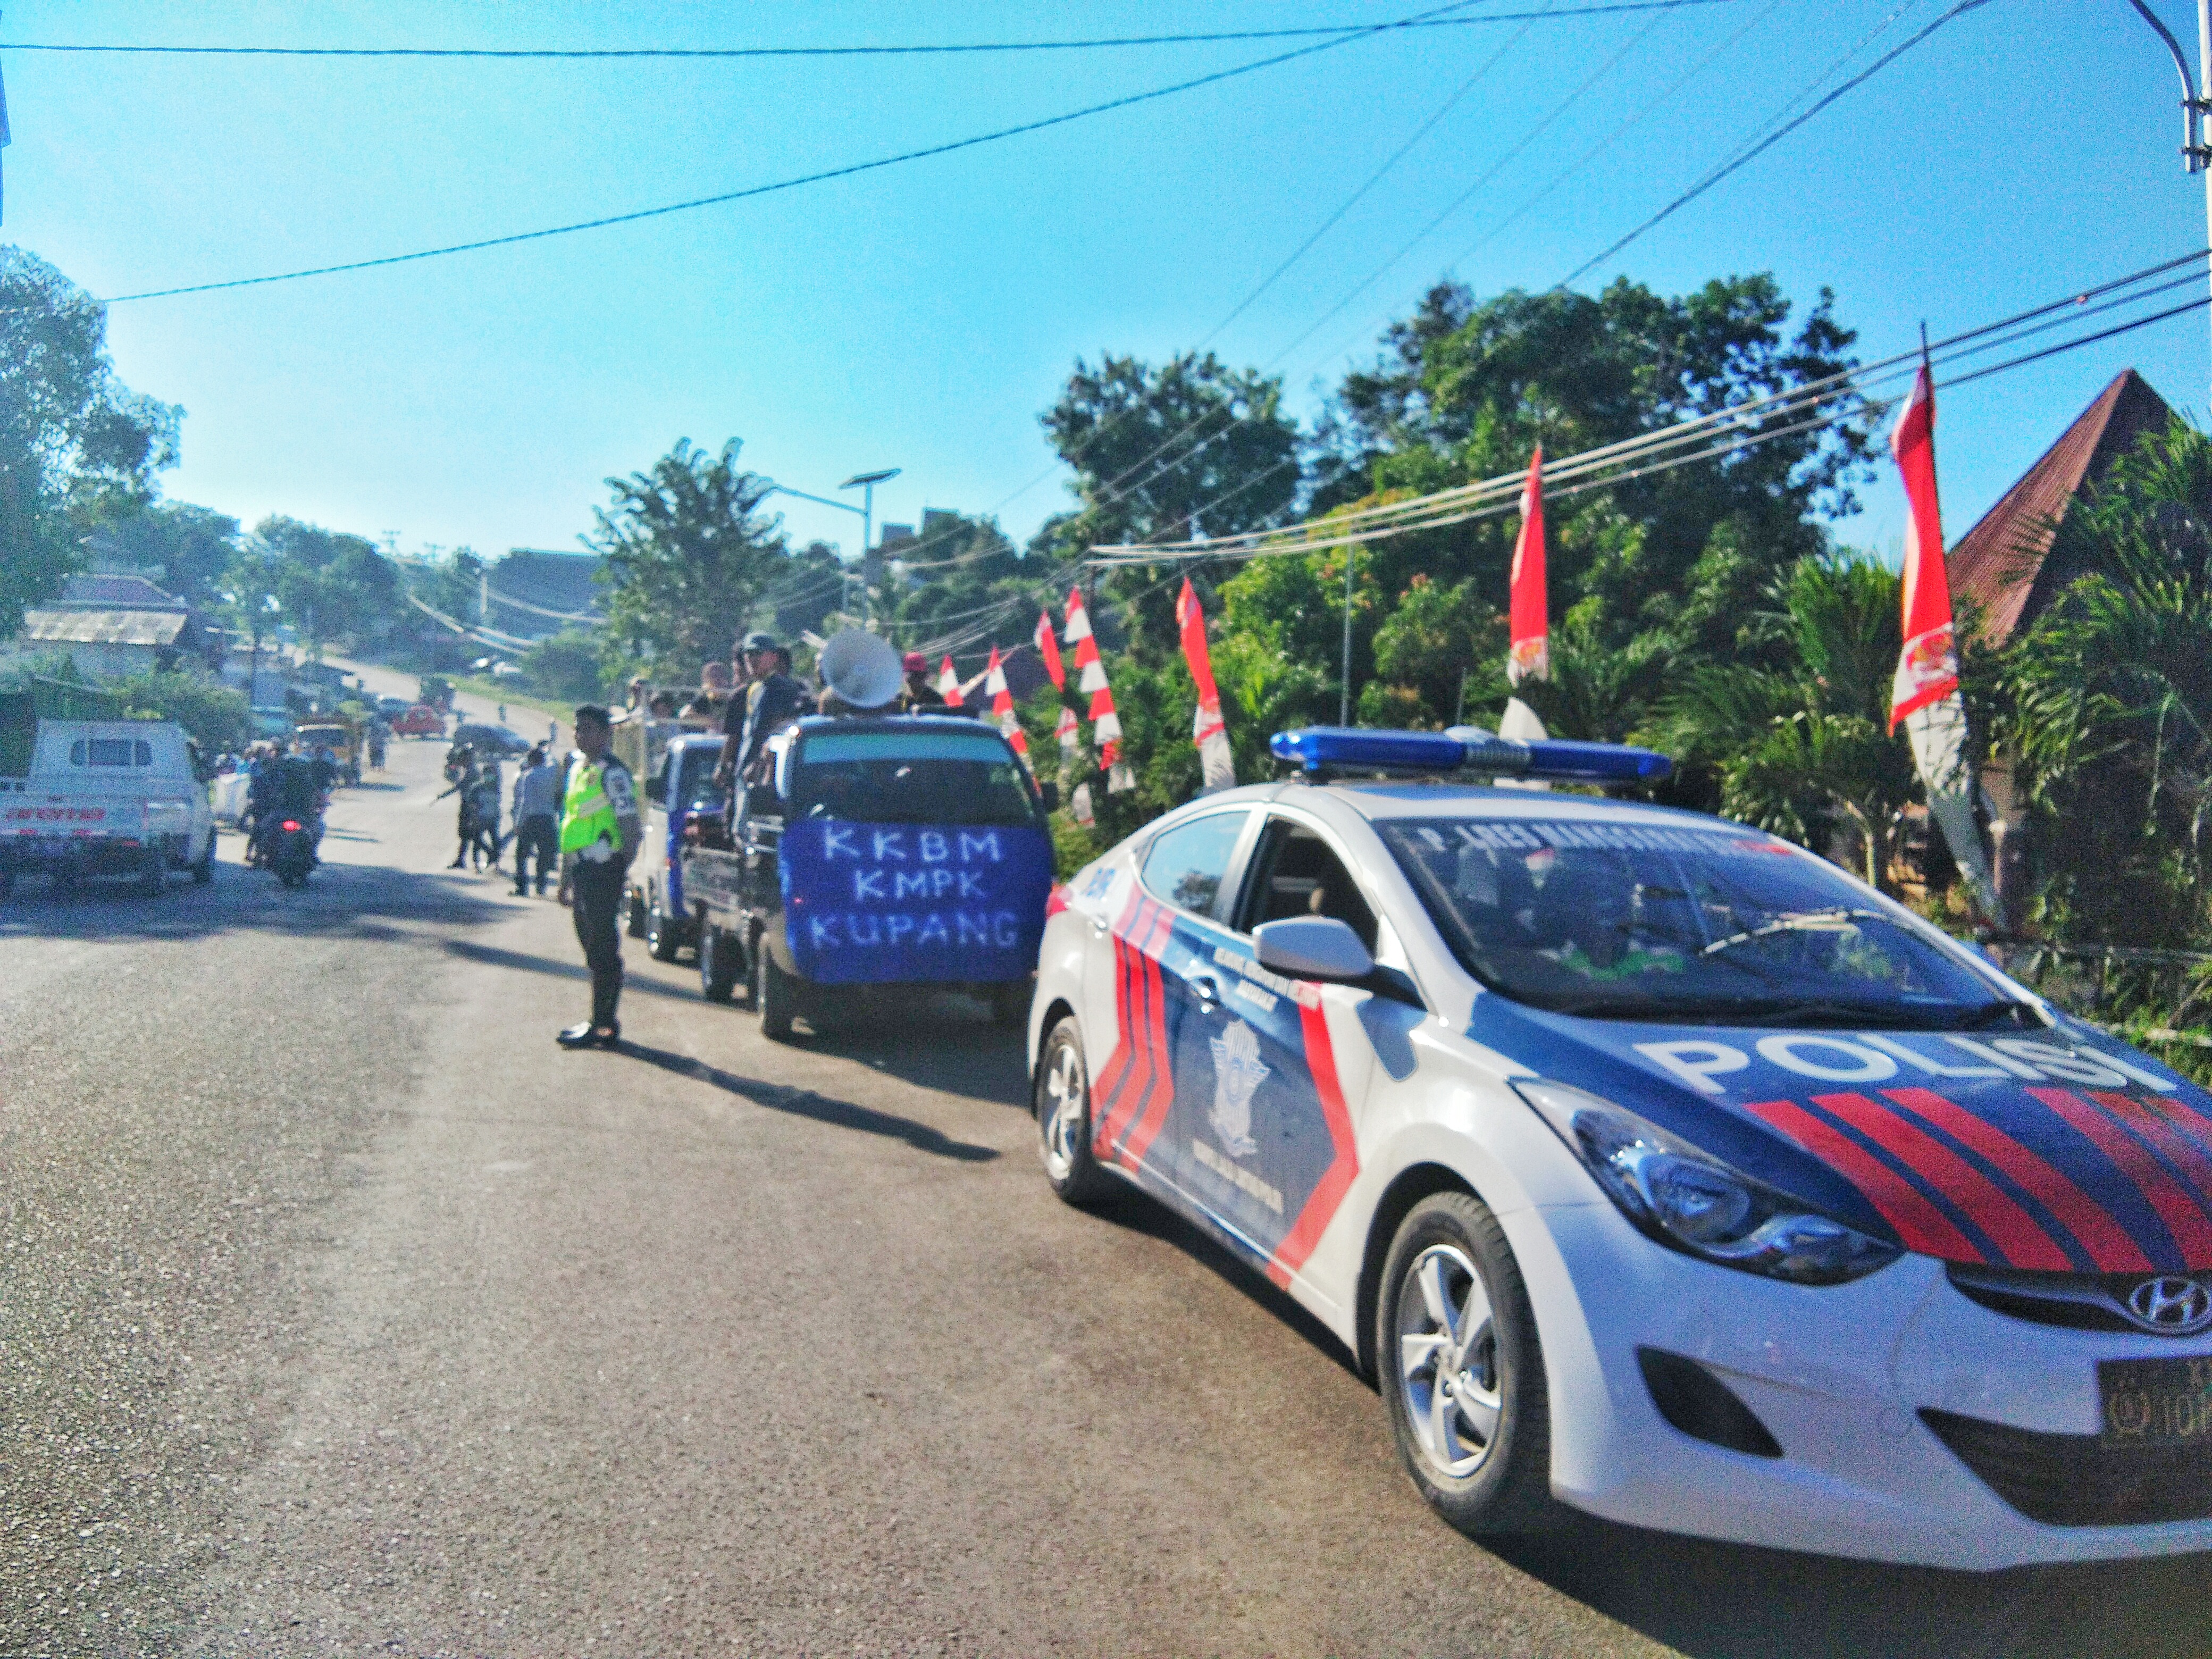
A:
{"x":600,"y":830}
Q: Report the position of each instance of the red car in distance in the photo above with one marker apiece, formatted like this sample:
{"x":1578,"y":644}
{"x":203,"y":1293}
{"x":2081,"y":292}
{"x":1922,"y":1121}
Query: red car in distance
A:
{"x":420,"y":721}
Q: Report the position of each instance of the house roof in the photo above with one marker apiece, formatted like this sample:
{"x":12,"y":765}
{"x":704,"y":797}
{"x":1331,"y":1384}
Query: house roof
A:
{"x":116,"y":592}
{"x":158,"y":629}
{"x":2003,"y":564}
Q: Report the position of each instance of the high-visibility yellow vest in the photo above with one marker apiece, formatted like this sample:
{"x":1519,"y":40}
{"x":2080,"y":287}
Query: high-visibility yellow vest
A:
{"x":586,"y":812}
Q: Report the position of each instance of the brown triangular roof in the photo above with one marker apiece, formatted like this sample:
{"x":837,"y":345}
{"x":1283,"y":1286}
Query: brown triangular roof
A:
{"x":2003,"y":563}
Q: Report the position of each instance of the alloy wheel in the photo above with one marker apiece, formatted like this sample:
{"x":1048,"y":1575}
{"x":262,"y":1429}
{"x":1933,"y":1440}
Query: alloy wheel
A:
{"x":1448,"y":1361}
{"x":1065,"y":1091}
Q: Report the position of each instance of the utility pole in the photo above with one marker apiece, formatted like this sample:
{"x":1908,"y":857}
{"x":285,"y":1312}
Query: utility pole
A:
{"x":2196,"y":154}
{"x":1344,"y":700}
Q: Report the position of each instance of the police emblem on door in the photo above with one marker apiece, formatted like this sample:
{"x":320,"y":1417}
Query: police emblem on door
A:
{"x":1238,"y":1074}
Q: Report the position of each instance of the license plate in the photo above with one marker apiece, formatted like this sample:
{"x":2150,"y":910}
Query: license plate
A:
{"x":2157,"y":1402}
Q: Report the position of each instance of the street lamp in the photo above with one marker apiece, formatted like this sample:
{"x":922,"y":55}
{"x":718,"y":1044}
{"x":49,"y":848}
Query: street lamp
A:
{"x":866,"y":482}
{"x":775,"y":488}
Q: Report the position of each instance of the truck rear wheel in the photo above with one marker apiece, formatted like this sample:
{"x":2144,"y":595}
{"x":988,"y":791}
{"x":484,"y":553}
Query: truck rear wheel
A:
{"x":661,"y":938}
{"x":718,"y":963}
{"x":775,"y":993}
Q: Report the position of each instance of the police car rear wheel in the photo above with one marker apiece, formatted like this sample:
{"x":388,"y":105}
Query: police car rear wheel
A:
{"x":1062,"y":1104}
{"x":1461,"y":1371}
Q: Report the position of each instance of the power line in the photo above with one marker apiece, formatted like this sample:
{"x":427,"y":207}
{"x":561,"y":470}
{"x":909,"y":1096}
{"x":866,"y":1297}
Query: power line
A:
{"x":1333,"y":32}
{"x":1772,"y":138}
{"x":1458,"y":201}
{"x":846,"y":172}
{"x":1482,"y":497}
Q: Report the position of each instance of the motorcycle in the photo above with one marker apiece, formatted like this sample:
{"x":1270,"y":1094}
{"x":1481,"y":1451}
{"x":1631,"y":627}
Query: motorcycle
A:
{"x":290,"y":851}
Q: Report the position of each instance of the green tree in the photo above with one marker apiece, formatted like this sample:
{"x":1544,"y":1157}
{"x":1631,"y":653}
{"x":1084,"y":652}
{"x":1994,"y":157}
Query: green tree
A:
{"x":567,"y":666}
{"x":689,"y":558}
{"x":212,"y":715}
{"x":194,"y":550}
{"x":1664,"y":567}
{"x":333,"y":586}
{"x":2110,"y":693}
{"x":78,"y":447}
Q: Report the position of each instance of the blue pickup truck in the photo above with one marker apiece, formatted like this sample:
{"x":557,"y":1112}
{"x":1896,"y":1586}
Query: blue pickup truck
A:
{"x":889,"y":853}
{"x":679,"y":788}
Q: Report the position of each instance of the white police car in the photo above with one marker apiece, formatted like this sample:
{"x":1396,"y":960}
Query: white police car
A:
{"x":1650,"y":1164}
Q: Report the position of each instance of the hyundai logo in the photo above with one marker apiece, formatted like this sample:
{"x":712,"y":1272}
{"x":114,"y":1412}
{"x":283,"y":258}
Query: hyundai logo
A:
{"x":2171,"y":1306}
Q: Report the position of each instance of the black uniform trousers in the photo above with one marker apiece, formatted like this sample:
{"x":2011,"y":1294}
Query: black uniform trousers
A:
{"x":539,"y":833}
{"x":599,"y":892}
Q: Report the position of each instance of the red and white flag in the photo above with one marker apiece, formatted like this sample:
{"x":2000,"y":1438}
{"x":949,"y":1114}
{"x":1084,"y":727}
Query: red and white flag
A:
{"x":1924,"y":695}
{"x":1048,"y":649}
{"x":1002,"y":707}
{"x":1927,"y":668}
{"x":1217,"y":765}
{"x":1090,"y":678}
{"x":1529,"y":656}
{"x":948,"y":685}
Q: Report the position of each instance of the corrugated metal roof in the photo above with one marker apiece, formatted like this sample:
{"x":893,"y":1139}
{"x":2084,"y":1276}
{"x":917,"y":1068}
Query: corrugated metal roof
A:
{"x":2003,"y":563}
{"x":154,"y":628}
{"x":115,"y":592}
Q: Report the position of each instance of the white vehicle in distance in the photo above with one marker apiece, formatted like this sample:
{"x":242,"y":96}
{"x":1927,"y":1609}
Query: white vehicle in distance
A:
{"x":82,"y":798}
{"x":1650,"y":1165}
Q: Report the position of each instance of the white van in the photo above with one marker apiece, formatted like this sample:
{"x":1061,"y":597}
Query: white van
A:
{"x":107,"y":798}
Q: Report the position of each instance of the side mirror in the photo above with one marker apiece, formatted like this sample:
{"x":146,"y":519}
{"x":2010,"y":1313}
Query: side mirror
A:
{"x":1049,"y":794}
{"x":1313,"y":947}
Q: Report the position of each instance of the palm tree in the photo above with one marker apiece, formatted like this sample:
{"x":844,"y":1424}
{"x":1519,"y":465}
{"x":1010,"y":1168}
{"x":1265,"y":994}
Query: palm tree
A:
{"x":2108,"y":703}
{"x":1803,"y":745}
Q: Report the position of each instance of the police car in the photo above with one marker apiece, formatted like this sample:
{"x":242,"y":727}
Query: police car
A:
{"x":1650,"y":1165}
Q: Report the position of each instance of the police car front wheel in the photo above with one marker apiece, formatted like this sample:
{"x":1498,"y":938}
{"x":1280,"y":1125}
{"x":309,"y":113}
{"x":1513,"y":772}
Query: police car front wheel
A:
{"x":1061,"y":1100}
{"x":1461,"y":1371}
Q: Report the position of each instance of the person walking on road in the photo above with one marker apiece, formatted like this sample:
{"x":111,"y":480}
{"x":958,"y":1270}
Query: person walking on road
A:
{"x":600,"y":827}
{"x":536,"y":801}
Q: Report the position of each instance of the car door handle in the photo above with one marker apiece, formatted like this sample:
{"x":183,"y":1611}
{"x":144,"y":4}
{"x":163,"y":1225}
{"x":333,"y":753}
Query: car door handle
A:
{"x":1099,"y":925}
{"x":1207,"y":991}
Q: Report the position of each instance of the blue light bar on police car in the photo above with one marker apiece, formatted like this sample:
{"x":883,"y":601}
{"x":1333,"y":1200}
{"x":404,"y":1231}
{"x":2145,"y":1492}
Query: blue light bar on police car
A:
{"x":1356,"y":749}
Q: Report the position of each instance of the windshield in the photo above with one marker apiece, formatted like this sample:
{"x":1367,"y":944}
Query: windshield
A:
{"x":903,"y":777}
{"x":694,"y":779}
{"x":1630,"y":921}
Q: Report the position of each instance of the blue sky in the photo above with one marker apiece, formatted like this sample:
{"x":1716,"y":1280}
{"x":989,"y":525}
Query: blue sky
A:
{"x":920,"y":316}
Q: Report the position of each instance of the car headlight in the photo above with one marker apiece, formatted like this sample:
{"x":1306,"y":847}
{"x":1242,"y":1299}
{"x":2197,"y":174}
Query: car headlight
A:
{"x":1693,"y":1202}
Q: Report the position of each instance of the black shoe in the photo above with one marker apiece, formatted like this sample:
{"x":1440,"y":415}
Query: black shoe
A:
{"x":522,"y":892}
{"x":586,"y":1036}
{"x":456,"y":864}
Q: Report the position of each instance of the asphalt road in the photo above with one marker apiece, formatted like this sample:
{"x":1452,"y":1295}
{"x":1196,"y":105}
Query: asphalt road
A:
{"x":341,"y":1313}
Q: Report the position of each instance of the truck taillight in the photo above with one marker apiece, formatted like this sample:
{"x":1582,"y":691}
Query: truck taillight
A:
{"x":290,"y":826}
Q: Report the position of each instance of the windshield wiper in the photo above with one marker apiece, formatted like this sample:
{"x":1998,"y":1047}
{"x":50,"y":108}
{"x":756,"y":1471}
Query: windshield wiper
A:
{"x":1795,"y":921}
{"x":1994,"y":1013}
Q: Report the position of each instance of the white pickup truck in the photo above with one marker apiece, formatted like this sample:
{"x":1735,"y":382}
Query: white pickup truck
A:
{"x":104,"y":798}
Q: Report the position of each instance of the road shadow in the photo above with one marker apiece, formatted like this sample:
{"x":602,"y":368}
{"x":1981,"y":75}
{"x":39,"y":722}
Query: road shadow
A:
{"x":1134,"y":1211}
{"x":1734,"y":1601}
{"x":338,"y":898}
{"x":819,"y":1109}
{"x":945,"y":1042}
{"x":523,"y":962}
